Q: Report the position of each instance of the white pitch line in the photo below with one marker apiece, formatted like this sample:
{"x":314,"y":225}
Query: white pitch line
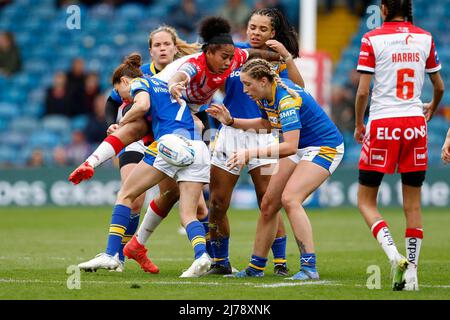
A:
{"x":86,"y":258}
{"x":295,"y":284}
{"x":201,"y":283}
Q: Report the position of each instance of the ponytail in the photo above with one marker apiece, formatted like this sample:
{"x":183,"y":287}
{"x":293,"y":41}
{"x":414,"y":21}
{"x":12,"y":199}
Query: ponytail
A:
{"x":259,"y":68}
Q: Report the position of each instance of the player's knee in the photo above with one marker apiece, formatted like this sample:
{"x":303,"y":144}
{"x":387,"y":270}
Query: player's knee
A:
{"x":413,"y":179}
{"x":202,"y":212}
{"x":219,"y":204}
{"x":289,"y":201}
{"x":269,"y":207}
{"x":370,"y":178}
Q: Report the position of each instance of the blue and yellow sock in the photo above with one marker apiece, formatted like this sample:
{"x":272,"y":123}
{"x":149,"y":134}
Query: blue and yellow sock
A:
{"x":256,"y":265}
{"x":205,"y":223}
{"x":308,"y":261}
{"x":279,"y":251}
{"x":119,"y":223}
{"x":129,"y":233}
{"x":220,"y":251}
{"x":196,"y":235}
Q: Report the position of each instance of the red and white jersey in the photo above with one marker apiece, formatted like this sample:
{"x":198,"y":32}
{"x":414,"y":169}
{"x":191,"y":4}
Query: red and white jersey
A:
{"x":172,"y":68}
{"x":202,"y":82}
{"x":399,"y":54}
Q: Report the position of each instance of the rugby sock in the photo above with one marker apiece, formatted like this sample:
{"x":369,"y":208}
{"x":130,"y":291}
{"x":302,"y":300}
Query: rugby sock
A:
{"x":381,"y":232}
{"x":279,"y":251}
{"x":119,"y":223}
{"x":308,"y":261}
{"x":106,"y":150}
{"x":152,"y":219}
{"x":205,"y":222}
{"x":129,"y":233}
{"x":413,"y":241}
{"x":196,"y":235}
{"x":256,"y":265}
{"x":220,"y":251}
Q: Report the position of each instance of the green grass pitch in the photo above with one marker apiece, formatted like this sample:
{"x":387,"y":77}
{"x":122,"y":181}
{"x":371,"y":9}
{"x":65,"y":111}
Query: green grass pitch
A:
{"x":39,"y":244}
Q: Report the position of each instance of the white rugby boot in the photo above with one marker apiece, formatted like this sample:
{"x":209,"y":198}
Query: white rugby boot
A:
{"x":198,"y":268}
{"x":411,"y":281}
{"x":101,"y":261}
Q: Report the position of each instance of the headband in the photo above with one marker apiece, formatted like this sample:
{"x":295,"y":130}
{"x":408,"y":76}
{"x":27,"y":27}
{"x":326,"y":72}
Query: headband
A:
{"x":221,"y":38}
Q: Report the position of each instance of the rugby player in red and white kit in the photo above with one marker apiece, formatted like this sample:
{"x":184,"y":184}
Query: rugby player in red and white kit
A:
{"x":397,"y":55}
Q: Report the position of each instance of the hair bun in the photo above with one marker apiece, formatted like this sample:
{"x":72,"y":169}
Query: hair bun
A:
{"x":211,"y":26}
{"x":133,"y":60}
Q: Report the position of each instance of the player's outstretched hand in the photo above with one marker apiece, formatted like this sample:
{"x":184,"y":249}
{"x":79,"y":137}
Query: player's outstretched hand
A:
{"x":278,"y":47}
{"x":220,"y":112}
{"x":238,"y":159}
{"x":176,"y":89}
{"x":112,"y":128}
{"x":360,"y":131}
{"x":427,"y":111}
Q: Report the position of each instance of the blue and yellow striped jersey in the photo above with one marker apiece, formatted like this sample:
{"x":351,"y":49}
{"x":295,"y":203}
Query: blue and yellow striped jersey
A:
{"x":237,"y":102}
{"x":147,"y":69}
{"x":303,"y":113}
{"x":166,"y":115}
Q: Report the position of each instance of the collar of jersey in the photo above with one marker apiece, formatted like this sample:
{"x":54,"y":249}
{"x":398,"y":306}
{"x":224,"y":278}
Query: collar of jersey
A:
{"x":396,"y":23}
{"x":152,"y":68}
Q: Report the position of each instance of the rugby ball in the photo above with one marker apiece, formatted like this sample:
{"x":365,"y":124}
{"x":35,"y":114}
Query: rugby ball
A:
{"x":176,"y":150}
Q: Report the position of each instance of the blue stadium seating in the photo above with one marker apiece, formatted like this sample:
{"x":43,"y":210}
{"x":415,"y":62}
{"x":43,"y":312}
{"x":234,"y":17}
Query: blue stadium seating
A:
{"x":24,"y":124}
{"x":7,"y":155}
{"x":108,"y":34}
{"x":58,"y":124}
{"x":45,"y":139}
{"x":79,"y":122}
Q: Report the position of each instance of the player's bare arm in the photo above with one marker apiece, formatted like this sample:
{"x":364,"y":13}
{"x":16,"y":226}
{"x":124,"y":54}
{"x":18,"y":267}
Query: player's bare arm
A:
{"x":221,"y":113}
{"x":287,"y":148}
{"x":293,"y":72}
{"x":362,"y":98}
{"x":445,"y":155}
{"x":263,"y":54}
{"x":140,"y":106}
{"x":438,"y":92}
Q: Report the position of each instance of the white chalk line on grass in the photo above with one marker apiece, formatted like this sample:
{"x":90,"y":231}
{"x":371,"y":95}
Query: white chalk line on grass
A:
{"x":296,"y":284}
{"x":84,"y":258}
{"x":204,"y":283}
{"x":198,"y":283}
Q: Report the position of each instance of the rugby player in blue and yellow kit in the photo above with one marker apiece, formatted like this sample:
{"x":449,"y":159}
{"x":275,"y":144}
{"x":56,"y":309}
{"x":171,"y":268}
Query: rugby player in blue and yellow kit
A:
{"x":152,"y":101}
{"x":310,"y":149}
{"x":267,"y":29}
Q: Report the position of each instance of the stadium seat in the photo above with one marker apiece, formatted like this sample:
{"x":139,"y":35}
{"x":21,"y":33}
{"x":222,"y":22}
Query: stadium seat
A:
{"x":43,"y":138}
{"x":7,"y":155}
{"x":79,"y":122}
{"x":14,"y":139}
{"x":9,"y":111}
{"x":24,"y":124}
{"x":56,"y":123}
{"x":33,"y":109}
{"x":131,"y":11}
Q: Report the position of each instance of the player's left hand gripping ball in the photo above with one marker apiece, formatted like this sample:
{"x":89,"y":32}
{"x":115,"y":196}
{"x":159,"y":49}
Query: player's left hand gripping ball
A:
{"x":83,"y":172}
